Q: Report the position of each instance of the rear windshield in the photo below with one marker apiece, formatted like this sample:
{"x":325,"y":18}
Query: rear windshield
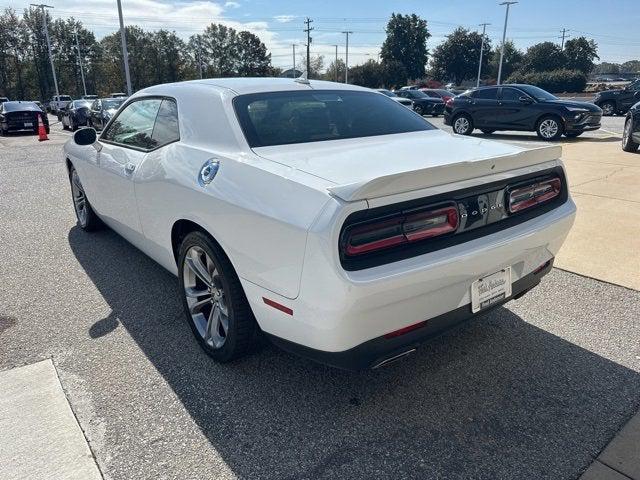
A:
{"x":280,"y":118}
{"x":81,"y":103}
{"x":112,"y":104}
{"x":17,"y":106}
{"x":64,"y":98}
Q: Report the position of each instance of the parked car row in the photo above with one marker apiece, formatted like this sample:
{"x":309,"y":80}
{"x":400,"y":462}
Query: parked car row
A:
{"x":87,"y":113}
{"x":618,"y":101}
{"x":60,"y":102}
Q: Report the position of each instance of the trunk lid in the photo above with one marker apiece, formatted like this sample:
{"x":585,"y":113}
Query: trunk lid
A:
{"x":372,"y":167}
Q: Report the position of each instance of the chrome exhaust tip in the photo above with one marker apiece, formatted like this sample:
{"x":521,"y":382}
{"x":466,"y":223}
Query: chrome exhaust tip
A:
{"x":390,"y":360}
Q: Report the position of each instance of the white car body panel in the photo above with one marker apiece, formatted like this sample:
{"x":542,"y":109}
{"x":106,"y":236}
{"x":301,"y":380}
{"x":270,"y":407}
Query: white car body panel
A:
{"x":277,"y":212}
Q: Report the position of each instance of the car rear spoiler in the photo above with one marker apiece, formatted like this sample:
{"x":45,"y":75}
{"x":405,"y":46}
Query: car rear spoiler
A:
{"x":443,"y":174}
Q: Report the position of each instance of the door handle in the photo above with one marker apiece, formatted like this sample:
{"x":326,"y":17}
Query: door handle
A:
{"x":129,"y":167}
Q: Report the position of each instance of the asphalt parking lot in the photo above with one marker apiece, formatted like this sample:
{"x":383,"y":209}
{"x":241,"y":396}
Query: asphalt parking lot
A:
{"x":535,"y":389}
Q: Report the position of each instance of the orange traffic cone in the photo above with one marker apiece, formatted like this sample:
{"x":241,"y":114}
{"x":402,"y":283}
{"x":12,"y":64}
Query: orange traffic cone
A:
{"x":42,"y":132}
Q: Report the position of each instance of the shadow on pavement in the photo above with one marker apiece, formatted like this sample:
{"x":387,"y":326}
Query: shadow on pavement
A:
{"x":535,"y":138}
{"x":496,"y":398}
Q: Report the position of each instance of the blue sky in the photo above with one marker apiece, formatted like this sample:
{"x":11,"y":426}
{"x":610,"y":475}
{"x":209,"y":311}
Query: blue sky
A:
{"x":613,"y":24}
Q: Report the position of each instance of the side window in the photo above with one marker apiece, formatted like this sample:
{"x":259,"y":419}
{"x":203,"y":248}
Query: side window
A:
{"x":134,"y":125}
{"x":511,"y":95}
{"x":635,"y":86}
{"x":432,"y":94}
{"x":485,"y":94}
{"x":166,"y":128}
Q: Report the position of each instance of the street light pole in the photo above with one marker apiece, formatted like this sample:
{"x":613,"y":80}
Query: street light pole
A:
{"x":125,"y":54}
{"x":346,"y":59}
{"x":46,"y":35}
{"x":84,"y":85}
{"x":294,"y":60}
{"x":336,"y":64}
{"x":484,"y":26}
{"x":504,"y":36}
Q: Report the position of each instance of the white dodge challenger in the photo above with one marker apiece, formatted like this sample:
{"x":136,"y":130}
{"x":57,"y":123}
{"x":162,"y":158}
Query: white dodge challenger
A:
{"x":331,"y":219}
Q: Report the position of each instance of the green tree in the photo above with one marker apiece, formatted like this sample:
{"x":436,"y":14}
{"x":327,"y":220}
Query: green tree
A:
{"x":394,"y":74}
{"x":579,"y":54}
{"x":316,"y":64}
{"x":253,"y":59}
{"x":457,"y":57}
{"x":632,"y":66}
{"x":605,"y":68}
{"x":406,"y":43}
{"x":335,"y":71}
{"x":369,"y":74}
{"x":543,"y":57}
{"x":511,"y":61}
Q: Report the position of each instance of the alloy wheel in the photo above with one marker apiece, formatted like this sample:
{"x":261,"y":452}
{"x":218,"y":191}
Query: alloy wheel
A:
{"x":549,"y":128}
{"x":461,"y":125}
{"x":607,"y":109}
{"x":205,"y":297}
{"x":79,"y":199}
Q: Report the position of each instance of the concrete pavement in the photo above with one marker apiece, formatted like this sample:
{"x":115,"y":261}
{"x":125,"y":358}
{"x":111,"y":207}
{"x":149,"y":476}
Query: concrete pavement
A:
{"x":40,"y":436}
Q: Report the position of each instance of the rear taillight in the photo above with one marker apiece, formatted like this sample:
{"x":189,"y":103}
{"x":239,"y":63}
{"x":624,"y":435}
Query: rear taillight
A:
{"x":404,"y":228}
{"x":529,"y":196}
{"x":448,"y":101}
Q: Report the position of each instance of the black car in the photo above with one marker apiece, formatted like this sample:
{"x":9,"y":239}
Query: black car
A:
{"x":401,"y":100}
{"x":21,"y":117}
{"x":438,"y":93}
{"x":618,"y":101}
{"x":102,"y":110}
{"x":520,"y":107}
{"x":75,"y":115}
{"x":631,"y":135}
{"x":423,"y":103}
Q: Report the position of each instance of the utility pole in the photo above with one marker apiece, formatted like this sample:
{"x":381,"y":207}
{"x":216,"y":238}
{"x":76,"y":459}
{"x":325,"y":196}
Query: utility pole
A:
{"x":335,"y":63}
{"x":346,"y":59}
{"x":484,"y":26}
{"x":308,"y":21}
{"x":564,"y":34}
{"x":125,"y":54}
{"x":294,"y":59}
{"x":504,"y":37}
{"x":84,"y":85}
{"x":46,"y":34}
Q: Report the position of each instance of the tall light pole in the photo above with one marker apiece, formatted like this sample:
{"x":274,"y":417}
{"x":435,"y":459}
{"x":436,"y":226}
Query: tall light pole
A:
{"x":504,"y":37}
{"x":484,"y":26}
{"x":46,"y":35}
{"x":125,"y":54}
{"x":84,"y":85}
{"x":335,"y":63}
{"x":346,"y":59}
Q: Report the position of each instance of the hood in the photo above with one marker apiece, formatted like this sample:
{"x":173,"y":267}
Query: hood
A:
{"x":371,"y":167}
{"x":591,"y":107}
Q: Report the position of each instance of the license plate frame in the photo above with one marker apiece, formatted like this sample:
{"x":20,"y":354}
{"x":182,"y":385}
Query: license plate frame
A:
{"x":491,"y":289}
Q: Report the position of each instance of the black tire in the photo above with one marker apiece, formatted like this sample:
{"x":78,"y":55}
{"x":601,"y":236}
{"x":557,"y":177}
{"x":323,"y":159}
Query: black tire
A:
{"x":487,"y":131}
{"x":89,"y":221}
{"x":243,"y":334}
{"x":573,"y":134}
{"x":435,"y":115}
{"x":419,"y":109}
{"x":462,"y":128}
{"x":628,"y":145}
{"x":548,"y":133}
{"x":608,"y":108}
{"x":64,"y":127}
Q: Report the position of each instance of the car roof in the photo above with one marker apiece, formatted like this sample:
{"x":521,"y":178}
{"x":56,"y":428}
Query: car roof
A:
{"x":242,"y":86}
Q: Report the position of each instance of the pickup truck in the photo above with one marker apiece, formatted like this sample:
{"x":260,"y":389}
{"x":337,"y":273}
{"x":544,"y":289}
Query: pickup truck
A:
{"x":58,"y":102}
{"x":618,"y":101}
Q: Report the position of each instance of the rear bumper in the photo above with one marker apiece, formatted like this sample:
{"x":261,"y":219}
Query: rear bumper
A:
{"x":338,"y":311}
{"x":381,"y":350}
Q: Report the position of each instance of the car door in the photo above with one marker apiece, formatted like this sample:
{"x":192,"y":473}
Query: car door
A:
{"x":125,"y":145}
{"x":515,"y":113}
{"x":631,"y":96}
{"x":484,"y":107}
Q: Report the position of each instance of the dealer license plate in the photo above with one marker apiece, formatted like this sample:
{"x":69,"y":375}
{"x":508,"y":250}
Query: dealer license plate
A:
{"x":490,"y":290}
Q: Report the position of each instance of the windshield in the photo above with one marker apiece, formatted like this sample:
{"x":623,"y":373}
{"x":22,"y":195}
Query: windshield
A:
{"x":537,"y":93}
{"x":17,"y":106}
{"x":280,"y":118}
{"x":81,"y":104}
{"x":112,"y":104}
{"x":64,"y":98}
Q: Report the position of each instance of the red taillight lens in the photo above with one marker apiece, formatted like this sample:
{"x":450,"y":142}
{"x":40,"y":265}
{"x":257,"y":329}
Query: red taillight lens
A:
{"x":531,"y":195}
{"x":404,"y":228}
{"x":448,"y":101}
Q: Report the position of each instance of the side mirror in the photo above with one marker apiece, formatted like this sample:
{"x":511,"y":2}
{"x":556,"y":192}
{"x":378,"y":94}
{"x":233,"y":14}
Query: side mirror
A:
{"x":525,"y":99}
{"x":85,"y":136}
